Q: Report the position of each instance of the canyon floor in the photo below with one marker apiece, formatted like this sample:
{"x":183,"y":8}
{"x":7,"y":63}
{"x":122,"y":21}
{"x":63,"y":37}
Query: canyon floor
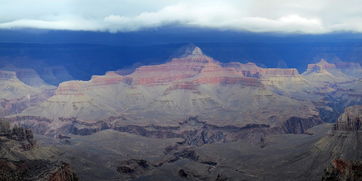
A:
{"x":279,"y":157}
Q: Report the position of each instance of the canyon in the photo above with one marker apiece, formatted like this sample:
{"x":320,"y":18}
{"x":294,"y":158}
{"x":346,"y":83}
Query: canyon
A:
{"x":193,"y":85}
{"x":189,"y":107}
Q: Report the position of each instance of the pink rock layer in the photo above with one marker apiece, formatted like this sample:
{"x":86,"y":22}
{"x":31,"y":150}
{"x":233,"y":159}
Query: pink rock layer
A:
{"x":183,"y":73}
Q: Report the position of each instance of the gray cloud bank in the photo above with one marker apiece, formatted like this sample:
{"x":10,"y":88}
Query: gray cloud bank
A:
{"x":288,"y":16}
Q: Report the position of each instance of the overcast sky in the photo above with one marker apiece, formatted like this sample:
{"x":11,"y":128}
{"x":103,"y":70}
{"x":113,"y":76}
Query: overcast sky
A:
{"x":290,"y":16}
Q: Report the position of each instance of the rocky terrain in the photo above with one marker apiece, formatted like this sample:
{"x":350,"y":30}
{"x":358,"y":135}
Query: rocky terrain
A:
{"x":343,"y":170}
{"x":22,"y":159}
{"x":192,"y":85}
{"x":191,"y":118}
{"x":195,"y":85}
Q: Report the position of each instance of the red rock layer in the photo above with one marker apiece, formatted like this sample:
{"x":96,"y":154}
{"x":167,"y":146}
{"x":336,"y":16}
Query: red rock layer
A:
{"x":108,"y":79}
{"x":184,"y":73}
{"x":177,"y":69}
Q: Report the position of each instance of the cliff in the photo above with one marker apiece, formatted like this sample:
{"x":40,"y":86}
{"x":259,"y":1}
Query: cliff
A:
{"x":350,"y":120}
{"x":18,"y":148}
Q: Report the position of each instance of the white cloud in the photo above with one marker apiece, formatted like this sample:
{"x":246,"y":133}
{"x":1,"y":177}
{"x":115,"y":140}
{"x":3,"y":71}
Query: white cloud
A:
{"x":308,"y":16}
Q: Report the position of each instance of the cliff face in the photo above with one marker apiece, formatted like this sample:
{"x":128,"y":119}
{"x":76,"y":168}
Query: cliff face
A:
{"x":350,"y":120}
{"x":17,"y":163}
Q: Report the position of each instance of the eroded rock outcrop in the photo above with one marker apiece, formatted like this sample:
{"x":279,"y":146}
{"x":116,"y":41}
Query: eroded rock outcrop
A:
{"x":23,"y":136}
{"x":339,"y":152}
{"x":15,"y":143}
{"x":350,"y":120}
{"x":342,"y":170}
{"x":37,"y":170}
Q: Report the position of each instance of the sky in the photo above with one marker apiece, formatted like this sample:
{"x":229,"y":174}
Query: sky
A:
{"x":286,"y":16}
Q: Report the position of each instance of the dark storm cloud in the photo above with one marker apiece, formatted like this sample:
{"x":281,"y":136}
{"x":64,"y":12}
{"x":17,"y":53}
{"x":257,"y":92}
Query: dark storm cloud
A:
{"x":290,"y":16}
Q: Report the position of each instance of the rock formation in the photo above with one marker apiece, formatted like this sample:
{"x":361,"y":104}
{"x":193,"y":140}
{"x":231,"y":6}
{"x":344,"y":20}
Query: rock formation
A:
{"x":341,"y":170}
{"x":17,"y":164}
{"x":350,"y":120}
{"x":38,"y":170}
